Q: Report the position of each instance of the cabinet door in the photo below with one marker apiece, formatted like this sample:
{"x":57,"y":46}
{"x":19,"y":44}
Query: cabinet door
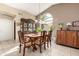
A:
{"x":71,"y":36}
{"x":76,"y":42}
{"x":61,"y":37}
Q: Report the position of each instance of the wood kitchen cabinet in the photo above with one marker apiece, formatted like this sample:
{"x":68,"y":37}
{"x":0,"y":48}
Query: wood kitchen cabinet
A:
{"x":61,"y":37}
{"x":68,"y":38}
{"x":76,"y":44}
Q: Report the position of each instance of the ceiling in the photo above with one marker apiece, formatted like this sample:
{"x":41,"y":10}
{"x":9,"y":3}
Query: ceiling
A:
{"x":33,"y":8}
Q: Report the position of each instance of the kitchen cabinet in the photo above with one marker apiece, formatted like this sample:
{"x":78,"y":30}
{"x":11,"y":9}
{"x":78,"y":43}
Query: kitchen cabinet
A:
{"x":76,"y":44}
{"x":61,"y":37}
{"x":68,"y":38}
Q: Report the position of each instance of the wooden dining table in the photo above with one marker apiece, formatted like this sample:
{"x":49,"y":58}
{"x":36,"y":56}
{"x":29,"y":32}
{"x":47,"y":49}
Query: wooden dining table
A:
{"x":33,"y":34}
{"x":33,"y":37}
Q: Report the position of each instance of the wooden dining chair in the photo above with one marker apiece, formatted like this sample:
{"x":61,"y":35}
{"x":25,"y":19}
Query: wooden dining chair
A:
{"x":24,"y":41}
{"x":41,"y":41}
{"x":48,"y":38}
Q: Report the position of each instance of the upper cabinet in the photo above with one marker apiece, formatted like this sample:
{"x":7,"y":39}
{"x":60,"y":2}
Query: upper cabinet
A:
{"x":27,"y":25}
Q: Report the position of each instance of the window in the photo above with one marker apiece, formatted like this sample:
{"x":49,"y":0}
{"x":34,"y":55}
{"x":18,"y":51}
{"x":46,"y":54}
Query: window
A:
{"x":47,"y":18}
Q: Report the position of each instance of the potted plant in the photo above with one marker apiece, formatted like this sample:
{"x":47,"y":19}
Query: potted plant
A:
{"x":61,"y":25}
{"x":38,"y":29}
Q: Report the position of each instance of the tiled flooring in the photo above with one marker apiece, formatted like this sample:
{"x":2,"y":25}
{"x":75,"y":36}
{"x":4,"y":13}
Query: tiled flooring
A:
{"x":10,"y":48}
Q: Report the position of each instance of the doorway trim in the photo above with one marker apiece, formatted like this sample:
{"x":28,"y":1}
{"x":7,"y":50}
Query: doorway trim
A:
{"x":14,"y":30}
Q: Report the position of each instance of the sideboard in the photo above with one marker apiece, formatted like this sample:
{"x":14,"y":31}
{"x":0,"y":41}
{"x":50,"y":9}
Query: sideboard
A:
{"x":68,"y":38}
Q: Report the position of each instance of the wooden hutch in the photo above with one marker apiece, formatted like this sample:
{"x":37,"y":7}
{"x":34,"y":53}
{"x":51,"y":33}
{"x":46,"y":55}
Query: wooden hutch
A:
{"x":27,"y":25}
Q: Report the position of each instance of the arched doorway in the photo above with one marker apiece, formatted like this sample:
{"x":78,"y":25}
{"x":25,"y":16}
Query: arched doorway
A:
{"x":46,"y":21}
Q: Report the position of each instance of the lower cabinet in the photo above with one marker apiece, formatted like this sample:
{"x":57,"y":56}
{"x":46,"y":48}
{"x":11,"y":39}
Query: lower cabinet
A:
{"x":68,"y":38}
{"x":61,"y":37}
{"x":76,"y":44}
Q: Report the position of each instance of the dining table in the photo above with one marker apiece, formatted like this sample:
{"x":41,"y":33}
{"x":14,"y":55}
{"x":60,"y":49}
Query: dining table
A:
{"x":33,"y":37}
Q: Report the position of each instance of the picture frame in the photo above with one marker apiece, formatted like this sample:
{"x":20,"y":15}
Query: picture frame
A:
{"x":75,"y":23}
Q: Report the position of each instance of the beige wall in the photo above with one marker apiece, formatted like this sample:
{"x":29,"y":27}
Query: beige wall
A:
{"x":64,"y":12}
{"x":14,"y":13}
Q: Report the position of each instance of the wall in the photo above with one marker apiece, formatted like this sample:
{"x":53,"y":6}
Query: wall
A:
{"x":15,"y":14}
{"x":6,"y":28}
{"x":63,"y":12}
{"x":12,"y":11}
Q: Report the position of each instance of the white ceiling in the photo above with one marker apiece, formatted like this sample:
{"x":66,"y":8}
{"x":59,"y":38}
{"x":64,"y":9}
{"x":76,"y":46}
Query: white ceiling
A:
{"x":32,"y":8}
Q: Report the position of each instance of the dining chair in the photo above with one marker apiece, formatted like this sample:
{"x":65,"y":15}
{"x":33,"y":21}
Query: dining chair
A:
{"x":48,"y":38}
{"x":24,"y":41}
{"x":41,"y":41}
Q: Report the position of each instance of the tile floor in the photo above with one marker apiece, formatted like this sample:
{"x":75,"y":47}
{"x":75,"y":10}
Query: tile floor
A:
{"x":10,"y":48}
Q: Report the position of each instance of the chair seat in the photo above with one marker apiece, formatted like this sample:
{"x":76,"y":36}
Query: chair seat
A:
{"x":37,"y":42}
{"x":26,"y":40}
{"x":27,"y":44}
